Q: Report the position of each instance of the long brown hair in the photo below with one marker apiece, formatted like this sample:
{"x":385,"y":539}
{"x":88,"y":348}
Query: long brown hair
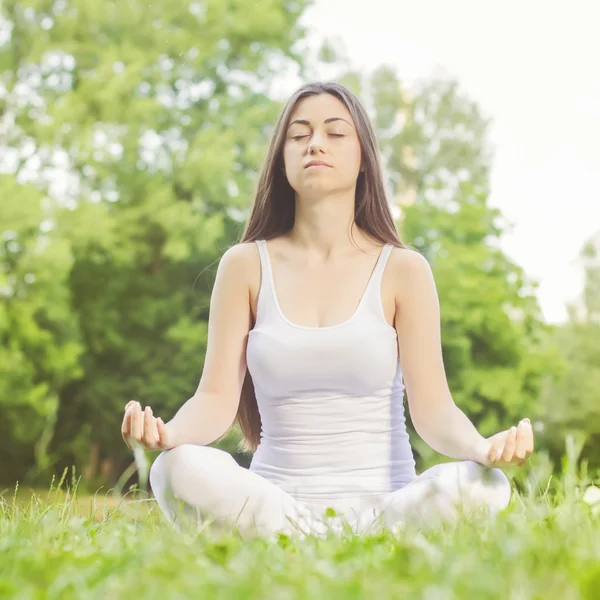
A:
{"x":273,"y":210}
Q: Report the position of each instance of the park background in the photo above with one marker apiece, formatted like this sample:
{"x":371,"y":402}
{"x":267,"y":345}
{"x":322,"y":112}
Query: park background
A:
{"x":131,"y":135}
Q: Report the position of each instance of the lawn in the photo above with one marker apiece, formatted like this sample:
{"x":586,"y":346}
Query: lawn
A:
{"x":60,"y":544}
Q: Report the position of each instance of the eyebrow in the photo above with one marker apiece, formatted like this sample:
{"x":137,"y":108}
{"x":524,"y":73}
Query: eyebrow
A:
{"x":329,"y":120}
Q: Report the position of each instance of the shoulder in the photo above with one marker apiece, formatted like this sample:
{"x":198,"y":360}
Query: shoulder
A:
{"x":240,"y":256}
{"x":240,"y":260}
{"x":410,"y":272}
{"x":407,"y":262}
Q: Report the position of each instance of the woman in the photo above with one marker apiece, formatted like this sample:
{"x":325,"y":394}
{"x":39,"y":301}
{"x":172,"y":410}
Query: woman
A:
{"x":316,"y":377}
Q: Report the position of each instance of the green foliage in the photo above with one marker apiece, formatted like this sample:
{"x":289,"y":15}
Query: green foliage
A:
{"x":40,"y":344}
{"x":570,"y":401}
{"x":141,"y":127}
{"x":158,"y":115}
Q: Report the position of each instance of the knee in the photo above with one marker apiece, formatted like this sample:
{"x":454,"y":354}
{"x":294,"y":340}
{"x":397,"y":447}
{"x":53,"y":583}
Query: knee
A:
{"x":482,"y":486}
{"x":177,"y":467}
{"x":158,"y":474}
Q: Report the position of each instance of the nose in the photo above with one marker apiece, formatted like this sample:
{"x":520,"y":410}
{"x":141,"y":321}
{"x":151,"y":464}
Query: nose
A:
{"x":315,"y":143}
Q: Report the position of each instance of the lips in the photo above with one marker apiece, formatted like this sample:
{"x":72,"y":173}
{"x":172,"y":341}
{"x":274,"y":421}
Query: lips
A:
{"x":316,"y":163}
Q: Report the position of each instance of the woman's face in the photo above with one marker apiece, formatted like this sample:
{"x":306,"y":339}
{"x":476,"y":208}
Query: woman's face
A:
{"x":321,"y":129}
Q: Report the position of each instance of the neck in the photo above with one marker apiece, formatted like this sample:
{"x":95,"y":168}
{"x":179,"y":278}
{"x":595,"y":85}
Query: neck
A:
{"x":323,"y":225}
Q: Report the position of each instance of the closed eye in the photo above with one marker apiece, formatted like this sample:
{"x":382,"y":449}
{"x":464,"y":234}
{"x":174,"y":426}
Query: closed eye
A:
{"x":299,"y":137}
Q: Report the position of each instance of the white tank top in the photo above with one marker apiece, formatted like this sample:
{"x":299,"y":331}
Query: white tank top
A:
{"x":330,"y":399}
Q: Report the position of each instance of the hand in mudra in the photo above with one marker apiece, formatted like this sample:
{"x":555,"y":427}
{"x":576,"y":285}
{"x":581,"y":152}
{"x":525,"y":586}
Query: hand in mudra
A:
{"x":143,"y":429}
{"x":511,"y":447}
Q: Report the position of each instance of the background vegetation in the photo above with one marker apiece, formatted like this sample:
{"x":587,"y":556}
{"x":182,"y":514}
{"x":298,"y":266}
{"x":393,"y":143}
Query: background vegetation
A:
{"x":132,"y":134}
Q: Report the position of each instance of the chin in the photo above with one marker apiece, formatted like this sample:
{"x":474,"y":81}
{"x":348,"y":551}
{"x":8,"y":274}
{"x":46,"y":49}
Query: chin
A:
{"x":317,"y":191}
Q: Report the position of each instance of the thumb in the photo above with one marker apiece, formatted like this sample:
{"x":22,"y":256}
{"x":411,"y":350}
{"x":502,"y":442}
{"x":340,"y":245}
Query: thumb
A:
{"x":163,"y":436}
{"x":496,"y":448}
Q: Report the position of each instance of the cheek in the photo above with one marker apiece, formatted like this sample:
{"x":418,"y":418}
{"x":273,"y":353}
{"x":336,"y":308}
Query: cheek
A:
{"x":352,"y":159}
{"x":292,"y":160}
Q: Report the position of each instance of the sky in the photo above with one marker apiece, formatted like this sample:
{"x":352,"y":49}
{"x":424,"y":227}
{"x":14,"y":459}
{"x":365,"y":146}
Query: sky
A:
{"x":533,"y":67}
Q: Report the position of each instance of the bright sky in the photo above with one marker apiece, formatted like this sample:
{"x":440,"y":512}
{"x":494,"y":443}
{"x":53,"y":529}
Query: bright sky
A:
{"x":534,"y":67}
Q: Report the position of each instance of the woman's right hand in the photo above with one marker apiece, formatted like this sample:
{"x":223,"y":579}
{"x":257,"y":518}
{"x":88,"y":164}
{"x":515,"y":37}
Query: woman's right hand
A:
{"x":142,"y":428}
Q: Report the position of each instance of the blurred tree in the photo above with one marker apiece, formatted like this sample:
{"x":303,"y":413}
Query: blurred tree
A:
{"x":571,"y":401}
{"x":495,"y":344}
{"x":40,"y":345}
{"x":145,"y":123}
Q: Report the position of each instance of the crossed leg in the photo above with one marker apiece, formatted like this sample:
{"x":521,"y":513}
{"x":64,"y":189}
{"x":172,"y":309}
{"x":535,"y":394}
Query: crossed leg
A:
{"x":440,"y":495}
{"x":199,"y":484}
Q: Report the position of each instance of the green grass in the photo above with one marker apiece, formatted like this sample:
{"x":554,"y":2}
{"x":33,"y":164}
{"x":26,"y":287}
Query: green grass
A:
{"x":62,"y":545}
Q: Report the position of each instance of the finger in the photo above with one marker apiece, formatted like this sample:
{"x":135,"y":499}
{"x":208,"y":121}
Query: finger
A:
{"x":524,"y":434}
{"x":155,"y":435}
{"x":137,"y":423}
{"x":530,"y":442}
{"x":509,"y":445}
{"x":528,"y":433}
{"x":522,"y":440}
{"x":163,"y":439}
{"x":126,"y":424}
{"x":497,"y":448}
{"x":149,"y":437}
{"x":130,"y":403}
{"x":147,"y":425}
{"x":493,"y":453}
{"x":126,"y":427}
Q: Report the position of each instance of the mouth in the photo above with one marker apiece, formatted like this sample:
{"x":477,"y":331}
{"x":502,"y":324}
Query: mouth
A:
{"x":317,"y":163}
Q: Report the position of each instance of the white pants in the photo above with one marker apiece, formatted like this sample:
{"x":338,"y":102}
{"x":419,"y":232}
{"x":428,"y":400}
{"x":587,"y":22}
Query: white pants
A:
{"x":198,"y":485}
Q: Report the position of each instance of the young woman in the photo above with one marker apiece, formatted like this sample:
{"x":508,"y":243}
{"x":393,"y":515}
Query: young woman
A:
{"x":319,"y":317}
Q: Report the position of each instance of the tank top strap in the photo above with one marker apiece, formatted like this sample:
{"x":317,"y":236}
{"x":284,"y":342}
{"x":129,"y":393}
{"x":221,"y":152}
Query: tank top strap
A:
{"x":382,"y":262}
{"x":373,"y":292}
{"x":266,"y":304}
{"x":264,"y":257}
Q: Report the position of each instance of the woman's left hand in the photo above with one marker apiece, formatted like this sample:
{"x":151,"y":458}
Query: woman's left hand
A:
{"x":511,"y":447}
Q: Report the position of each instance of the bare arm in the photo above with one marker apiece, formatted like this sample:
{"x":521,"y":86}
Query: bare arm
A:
{"x":209,"y":413}
{"x":435,"y":416}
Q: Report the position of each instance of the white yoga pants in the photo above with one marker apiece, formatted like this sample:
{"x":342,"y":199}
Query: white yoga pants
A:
{"x":197,"y":485}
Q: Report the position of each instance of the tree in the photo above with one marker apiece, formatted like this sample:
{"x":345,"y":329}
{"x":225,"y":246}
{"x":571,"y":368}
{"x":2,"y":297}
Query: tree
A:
{"x":155,"y":116}
{"x":570,"y":400}
{"x":40,"y":344}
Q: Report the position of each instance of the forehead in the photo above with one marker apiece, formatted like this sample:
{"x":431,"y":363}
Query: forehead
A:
{"x":320,"y":107}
